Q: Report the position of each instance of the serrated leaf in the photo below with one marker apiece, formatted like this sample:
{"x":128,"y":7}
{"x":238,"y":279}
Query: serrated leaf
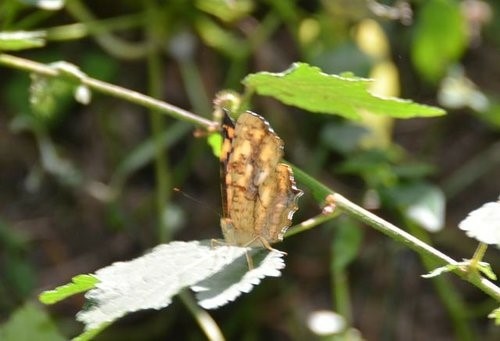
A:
{"x":29,"y":322}
{"x":80,"y":283}
{"x":225,"y":286}
{"x":150,"y":281}
{"x":21,"y":40}
{"x":306,"y":87}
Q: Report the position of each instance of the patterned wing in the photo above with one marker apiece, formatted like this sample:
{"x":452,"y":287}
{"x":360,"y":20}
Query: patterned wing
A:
{"x":259,"y":193}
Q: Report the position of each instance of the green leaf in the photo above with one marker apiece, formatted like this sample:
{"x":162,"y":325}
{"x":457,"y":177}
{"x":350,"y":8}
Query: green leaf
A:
{"x":308,"y":88}
{"x":215,"y":142}
{"x":440,"y":38}
{"x":21,"y":40}
{"x":80,"y":283}
{"x":29,"y":322}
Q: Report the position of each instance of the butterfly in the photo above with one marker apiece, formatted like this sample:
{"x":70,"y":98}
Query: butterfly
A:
{"x":259,"y":196}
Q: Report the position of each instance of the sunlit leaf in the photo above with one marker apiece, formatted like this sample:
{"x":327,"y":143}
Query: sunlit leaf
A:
{"x":80,"y":283}
{"x":150,"y":281}
{"x":225,"y":286}
{"x":215,"y":142}
{"x":306,"y":87}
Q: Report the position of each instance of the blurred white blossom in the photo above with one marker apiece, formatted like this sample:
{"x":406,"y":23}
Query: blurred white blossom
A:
{"x":325,"y":322}
{"x":483,"y":224}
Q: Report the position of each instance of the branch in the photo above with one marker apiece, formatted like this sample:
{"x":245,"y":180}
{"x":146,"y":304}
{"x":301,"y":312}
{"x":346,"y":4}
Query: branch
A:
{"x":112,"y":90}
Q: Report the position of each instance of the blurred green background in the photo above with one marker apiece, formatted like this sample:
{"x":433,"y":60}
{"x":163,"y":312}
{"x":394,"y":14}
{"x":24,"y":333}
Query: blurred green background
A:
{"x":82,"y":185}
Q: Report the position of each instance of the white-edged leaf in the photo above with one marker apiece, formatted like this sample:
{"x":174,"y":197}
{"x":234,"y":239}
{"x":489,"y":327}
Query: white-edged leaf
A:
{"x":225,"y":286}
{"x":150,"y":281}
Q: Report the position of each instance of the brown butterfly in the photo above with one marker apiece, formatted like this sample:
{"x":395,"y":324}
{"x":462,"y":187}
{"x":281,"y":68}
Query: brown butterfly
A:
{"x":259,"y":196}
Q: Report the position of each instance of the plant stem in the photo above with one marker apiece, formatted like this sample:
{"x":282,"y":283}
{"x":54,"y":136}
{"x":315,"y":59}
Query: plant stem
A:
{"x":319,"y":191}
{"x":112,"y":90}
{"x":207,"y":324}
{"x":478,"y":256}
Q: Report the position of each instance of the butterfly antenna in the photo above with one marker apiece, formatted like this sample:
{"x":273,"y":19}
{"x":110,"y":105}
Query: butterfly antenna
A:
{"x":180,"y":191}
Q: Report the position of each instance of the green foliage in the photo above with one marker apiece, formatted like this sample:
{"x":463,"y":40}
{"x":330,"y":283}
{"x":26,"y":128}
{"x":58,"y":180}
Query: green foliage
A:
{"x":215,"y":141}
{"x":30,"y":322}
{"x":50,"y":98}
{"x":224,"y":10}
{"x":440,"y":38}
{"x":308,"y":88}
{"x":109,"y":158}
{"x":79,"y":284}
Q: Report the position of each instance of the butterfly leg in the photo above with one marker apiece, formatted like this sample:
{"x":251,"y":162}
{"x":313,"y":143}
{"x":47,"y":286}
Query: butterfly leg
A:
{"x":266,"y":245}
{"x":249,"y":260}
{"x":216,"y":242}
